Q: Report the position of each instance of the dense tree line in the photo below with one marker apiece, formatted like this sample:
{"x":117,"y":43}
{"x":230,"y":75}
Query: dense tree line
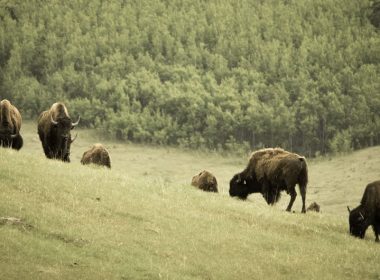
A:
{"x":219,"y":74}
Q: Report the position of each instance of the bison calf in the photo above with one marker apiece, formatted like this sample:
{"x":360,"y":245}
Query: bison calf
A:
{"x":97,"y":155}
{"x":269,"y":172}
{"x":10,"y":124}
{"x":205,"y":181}
{"x":367,"y":213}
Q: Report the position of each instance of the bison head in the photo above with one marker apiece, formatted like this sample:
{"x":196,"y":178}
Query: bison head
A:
{"x":358,"y":222}
{"x":63,"y":127}
{"x":242,"y":187}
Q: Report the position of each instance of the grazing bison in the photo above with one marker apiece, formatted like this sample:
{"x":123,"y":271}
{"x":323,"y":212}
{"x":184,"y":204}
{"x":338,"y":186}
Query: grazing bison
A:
{"x":367,"y":213}
{"x":205,"y":181}
{"x":269,"y":172}
{"x":10,"y":124}
{"x":54,"y":130}
{"x":97,"y":155}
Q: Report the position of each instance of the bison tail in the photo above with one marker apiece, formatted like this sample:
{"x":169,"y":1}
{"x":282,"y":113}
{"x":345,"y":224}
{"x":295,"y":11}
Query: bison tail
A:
{"x":302,"y":182}
{"x":303,"y":175}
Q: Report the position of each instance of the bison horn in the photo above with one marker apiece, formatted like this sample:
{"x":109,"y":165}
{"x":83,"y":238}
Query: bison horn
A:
{"x":76,"y":123}
{"x":349,"y":210}
{"x":75,"y":137}
{"x":53,"y":121}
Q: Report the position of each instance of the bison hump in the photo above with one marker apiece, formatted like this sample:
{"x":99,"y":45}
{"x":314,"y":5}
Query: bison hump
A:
{"x":274,"y":163}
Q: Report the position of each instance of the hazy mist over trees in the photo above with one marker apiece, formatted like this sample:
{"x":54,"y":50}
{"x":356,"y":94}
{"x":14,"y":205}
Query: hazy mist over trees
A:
{"x":218,"y":74}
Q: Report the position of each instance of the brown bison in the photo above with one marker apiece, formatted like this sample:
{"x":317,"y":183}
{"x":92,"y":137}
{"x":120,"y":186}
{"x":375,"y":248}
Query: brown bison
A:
{"x":10,"y":124}
{"x":367,"y":213}
{"x":54,"y":130}
{"x":97,"y":155}
{"x":205,"y":181}
{"x":269,"y":172}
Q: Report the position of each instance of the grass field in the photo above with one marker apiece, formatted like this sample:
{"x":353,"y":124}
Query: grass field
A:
{"x":143,"y":220}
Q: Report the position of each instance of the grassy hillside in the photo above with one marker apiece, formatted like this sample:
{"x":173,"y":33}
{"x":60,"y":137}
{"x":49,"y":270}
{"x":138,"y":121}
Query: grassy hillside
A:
{"x":142,"y":220}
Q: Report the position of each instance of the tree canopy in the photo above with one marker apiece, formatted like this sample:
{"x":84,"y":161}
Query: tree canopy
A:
{"x":218,"y":74}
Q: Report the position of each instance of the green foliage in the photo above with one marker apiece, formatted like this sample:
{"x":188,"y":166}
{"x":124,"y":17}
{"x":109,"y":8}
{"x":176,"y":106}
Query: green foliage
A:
{"x":341,"y":143}
{"x":200,"y":74}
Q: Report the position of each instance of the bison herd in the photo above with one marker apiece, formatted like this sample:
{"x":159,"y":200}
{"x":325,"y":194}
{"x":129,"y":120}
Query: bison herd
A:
{"x":269,"y":171}
{"x":54,"y":130}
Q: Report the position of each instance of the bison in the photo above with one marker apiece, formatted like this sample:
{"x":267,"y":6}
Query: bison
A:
{"x":54,"y":130}
{"x":97,"y":155}
{"x":269,"y":172}
{"x":10,"y":124}
{"x":205,"y":181}
{"x":367,"y":213}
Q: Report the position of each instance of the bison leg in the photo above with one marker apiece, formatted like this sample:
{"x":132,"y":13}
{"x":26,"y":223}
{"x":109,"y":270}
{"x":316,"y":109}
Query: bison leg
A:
{"x":303,"y":195}
{"x":46,"y":149}
{"x":48,"y":153}
{"x":66,"y":159}
{"x":293,"y":195}
{"x":4,"y":143}
{"x":266,"y":192}
{"x":376,"y":230}
{"x":17,"y":142}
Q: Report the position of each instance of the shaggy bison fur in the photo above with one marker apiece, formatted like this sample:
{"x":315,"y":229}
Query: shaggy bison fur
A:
{"x":10,"y":124}
{"x":54,"y":130}
{"x":269,"y":172}
{"x":367,"y":213}
{"x":205,"y":181}
{"x":97,"y":155}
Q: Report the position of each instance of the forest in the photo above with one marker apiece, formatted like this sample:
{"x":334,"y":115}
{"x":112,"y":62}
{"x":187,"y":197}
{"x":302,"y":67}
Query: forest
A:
{"x":216,"y":75}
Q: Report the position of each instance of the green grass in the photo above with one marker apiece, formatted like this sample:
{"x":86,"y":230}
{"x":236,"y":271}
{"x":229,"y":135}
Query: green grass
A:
{"x":143,"y":220}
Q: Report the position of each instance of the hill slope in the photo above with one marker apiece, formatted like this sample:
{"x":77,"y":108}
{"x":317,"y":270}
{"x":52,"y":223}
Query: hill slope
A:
{"x":334,"y":182}
{"x":80,"y":222}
